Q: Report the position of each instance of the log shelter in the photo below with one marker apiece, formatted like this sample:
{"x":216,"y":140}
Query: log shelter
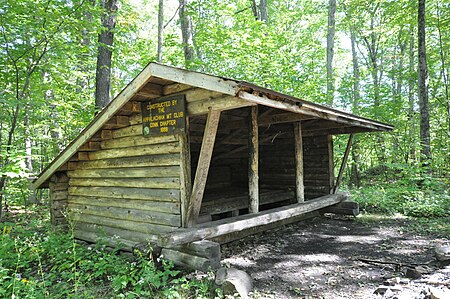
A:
{"x":185,"y":161}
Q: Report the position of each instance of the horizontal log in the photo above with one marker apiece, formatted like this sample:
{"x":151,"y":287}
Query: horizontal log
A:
{"x":110,"y":241}
{"x":82,"y":156}
{"x":59,"y":186}
{"x":350,"y":208}
{"x":90,"y":146}
{"x":203,"y":248}
{"x":106,"y":134}
{"x":132,"y":172}
{"x":117,"y":121}
{"x":154,"y":149}
{"x":127,"y":131}
{"x":128,"y":214}
{"x":230,"y":225}
{"x":138,"y":204}
{"x":159,"y":183}
{"x":59,"y":204}
{"x":220,"y":104}
{"x":258,"y":229}
{"x":131,"y":193}
{"x":223,"y":205}
{"x":190,"y":261}
{"x":106,"y":231}
{"x":142,"y":227}
{"x":60,"y":195}
{"x":125,"y":162}
{"x":136,"y":141}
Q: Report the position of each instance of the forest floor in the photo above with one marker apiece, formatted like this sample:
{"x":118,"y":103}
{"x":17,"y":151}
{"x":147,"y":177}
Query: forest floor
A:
{"x":322,"y":258}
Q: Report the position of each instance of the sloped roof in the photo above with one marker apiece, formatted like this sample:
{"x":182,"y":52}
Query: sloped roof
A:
{"x":154,"y":77}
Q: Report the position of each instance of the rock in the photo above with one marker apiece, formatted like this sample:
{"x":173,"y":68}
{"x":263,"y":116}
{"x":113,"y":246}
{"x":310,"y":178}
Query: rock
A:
{"x":439,"y":293}
{"x":233,"y":280}
{"x":381,"y":290}
{"x":443,"y":254}
{"x":417,"y":272}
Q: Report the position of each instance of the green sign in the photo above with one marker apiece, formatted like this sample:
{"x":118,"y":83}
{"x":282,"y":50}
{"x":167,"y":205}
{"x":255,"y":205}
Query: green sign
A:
{"x":164,"y":116}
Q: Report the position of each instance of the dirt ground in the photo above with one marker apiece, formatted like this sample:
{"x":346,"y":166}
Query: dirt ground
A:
{"x":321,"y":258}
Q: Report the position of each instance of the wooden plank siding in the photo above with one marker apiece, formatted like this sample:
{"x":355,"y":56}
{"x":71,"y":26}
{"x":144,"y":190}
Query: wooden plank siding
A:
{"x":127,"y":190}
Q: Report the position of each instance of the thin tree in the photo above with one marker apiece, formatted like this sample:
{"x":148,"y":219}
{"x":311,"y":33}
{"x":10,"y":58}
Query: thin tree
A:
{"x":330,"y":50}
{"x":104,"y":56}
{"x":160,"y":28}
{"x":355,"y":176}
{"x":423,"y":86}
{"x":186,"y":33}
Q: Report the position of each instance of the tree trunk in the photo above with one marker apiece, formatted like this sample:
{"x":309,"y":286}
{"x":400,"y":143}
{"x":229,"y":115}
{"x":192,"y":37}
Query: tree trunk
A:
{"x":186,"y":33}
{"x":263,"y":11}
{"x":105,"y":40}
{"x":355,"y":176}
{"x":444,"y":70}
{"x":330,"y":50}
{"x":411,"y":85}
{"x":160,"y":28}
{"x":423,"y":87}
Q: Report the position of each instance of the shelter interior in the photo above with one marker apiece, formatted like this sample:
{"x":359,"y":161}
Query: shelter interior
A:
{"x":227,"y":187}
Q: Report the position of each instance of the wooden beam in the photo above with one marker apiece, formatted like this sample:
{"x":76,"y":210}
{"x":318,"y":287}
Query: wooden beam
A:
{"x":222,"y":103}
{"x":299,"y":184}
{"x":185,"y":174}
{"x":314,"y":110}
{"x":230,"y":225}
{"x":195,"y":79}
{"x":253,"y":150}
{"x":201,"y":174}
{"x":343,"y":164}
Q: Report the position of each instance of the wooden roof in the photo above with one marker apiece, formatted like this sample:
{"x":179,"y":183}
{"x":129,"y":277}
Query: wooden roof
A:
{"x":157,"y":80}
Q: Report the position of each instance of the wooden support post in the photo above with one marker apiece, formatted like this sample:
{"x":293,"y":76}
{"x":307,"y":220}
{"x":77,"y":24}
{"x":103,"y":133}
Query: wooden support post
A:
{"x":299,"y":184}
{"x":344,"y":163}
{"x":204,"y":160}
{"x":185,"y":175}
{"x":253,"y":148}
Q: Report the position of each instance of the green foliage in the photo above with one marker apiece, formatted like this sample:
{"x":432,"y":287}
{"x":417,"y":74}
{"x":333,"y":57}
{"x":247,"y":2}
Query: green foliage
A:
{"x":398,"y":188}
{"x":36,"y":262}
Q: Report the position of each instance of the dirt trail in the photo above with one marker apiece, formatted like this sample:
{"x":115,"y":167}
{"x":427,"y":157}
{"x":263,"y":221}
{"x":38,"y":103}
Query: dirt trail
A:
{"x":319,"y":258}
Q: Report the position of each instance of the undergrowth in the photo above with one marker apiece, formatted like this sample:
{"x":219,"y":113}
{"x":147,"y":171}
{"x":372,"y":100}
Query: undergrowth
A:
{"x":37,"y":262}
{"x":412,"y":192}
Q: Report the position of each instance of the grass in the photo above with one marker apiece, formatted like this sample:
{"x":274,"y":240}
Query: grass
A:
{"x":38,"y":262}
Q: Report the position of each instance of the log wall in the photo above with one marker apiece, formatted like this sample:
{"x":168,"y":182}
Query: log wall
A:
{"x":126,"y":191}
{"x":58,"y":195}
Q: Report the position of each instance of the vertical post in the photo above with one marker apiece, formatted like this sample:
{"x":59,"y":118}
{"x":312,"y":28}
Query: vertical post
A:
{"x":253,"y":148}
{"x":330,"y":163}
{"x":185,"y":176}
{"x":344,"y":162}
{"x":299,"y":184}
{"x":201,"y":174}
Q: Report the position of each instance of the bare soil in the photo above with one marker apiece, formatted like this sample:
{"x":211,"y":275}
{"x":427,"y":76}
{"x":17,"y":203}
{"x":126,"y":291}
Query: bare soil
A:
{"x":321,"y":258}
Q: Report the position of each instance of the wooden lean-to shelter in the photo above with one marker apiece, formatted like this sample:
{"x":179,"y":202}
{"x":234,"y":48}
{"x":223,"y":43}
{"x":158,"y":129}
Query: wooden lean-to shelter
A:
{"x":184,"y":161}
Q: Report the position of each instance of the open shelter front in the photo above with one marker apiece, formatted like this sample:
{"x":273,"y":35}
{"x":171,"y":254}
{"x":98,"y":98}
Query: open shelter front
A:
{"x":180,"y":158}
